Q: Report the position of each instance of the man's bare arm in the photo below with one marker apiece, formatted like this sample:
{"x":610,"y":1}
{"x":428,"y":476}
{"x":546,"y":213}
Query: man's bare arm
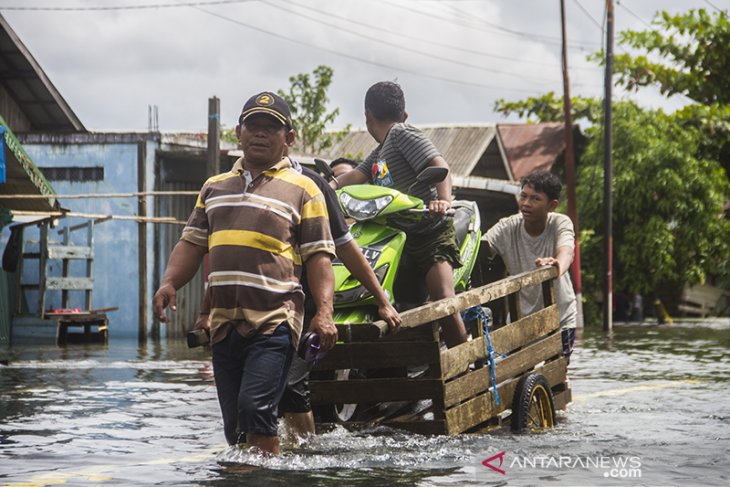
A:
{"x":562,"y":260}
{"x":350,"y":177}
{"x":321,"y":282}
{"x":184,"y":262}
{"x":352,"y":257}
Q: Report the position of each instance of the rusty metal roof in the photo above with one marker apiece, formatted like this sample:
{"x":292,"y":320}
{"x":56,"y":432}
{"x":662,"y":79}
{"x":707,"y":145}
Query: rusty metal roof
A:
{"x":532,"y":147}
{"x":30,"y":89}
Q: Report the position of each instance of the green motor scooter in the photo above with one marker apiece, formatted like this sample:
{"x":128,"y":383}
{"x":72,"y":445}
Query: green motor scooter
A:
{"x":380,"y":215}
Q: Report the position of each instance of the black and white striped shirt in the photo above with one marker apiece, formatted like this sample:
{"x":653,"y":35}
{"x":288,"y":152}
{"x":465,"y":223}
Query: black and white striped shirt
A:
{"x":404,"y":153}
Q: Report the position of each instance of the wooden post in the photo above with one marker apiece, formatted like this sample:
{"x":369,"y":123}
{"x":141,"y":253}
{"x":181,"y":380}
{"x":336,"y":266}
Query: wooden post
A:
{"x":156,"y":246}
{"x":142,"y":242}
{"x":64,"y":270}
{"x":89,"y":262}
{"x":214,"y":136}
{"x":42,"y":264}
{"x":607,"y":175}
{"x":570,"y":173}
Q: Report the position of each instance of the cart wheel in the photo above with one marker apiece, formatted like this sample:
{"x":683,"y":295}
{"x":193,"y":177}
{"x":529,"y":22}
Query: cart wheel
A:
{"x":344,"y":412}
{"x":532,"y":407}
{"x":339,"y":412}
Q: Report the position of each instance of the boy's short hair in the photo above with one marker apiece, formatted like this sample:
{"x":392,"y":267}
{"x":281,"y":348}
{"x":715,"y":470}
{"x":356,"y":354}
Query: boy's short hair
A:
{"x":386,"y":101}
{"x":543,"y":182}
{"x":344,"y":160}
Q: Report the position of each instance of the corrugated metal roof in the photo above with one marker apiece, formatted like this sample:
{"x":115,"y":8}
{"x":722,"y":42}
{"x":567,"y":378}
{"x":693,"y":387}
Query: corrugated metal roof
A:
{"x":461,"y":146}
{"x":532,"y":147}
{"x":30,"y":88}
{"x":23,"y":177}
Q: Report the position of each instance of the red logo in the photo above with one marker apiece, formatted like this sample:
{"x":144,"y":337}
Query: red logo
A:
{"x":500,"y":456}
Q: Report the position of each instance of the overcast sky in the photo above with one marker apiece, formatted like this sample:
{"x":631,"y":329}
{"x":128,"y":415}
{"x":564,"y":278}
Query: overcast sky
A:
{"x":453,"y":58}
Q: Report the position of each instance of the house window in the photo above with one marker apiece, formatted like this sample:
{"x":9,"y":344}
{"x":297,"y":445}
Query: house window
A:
{"x":95,"y":173}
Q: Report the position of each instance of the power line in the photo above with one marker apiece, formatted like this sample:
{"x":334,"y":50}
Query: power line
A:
{"x":545,"y":38}
{"x":355,"y":58}
{"x":123,"y":7}
{"x":620,"y":4}
{"x":494,"y":27}
{"x":708,"y":2}
{"x":405,"y":48}
{"x":590,"y":16}
{"x":380,"y":29}
{"x":599,"y":25}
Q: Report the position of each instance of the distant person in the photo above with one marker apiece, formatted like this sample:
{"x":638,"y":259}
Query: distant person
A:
{"x":342,"y":165}
{"x":621,"y":306}
{"x":536,"y":237}
{"x":637,"y":308}
{"x":260,"y":224}
{"x":402,"y":153}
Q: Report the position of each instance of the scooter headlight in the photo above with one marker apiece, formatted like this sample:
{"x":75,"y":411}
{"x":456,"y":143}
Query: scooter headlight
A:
{"x":363,"y":209}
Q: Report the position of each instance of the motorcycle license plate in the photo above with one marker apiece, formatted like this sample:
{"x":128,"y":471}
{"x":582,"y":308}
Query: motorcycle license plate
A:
{"x":371,"y":255}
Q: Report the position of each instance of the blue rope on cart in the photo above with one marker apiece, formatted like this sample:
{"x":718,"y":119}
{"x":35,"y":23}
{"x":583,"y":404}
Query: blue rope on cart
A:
{"x":478,"y":313}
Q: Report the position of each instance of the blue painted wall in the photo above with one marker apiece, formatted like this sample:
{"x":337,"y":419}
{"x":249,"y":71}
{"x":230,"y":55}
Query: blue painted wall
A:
{"x":116,"y":267}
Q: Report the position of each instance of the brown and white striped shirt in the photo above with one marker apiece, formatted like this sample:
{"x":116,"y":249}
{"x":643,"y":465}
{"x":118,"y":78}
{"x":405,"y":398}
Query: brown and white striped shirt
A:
{"x":258,"y":232}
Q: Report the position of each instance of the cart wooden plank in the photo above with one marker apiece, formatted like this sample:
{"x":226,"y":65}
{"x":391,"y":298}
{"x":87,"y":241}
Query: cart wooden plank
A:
{"x":468,"y":386}
{"x":369,"y":391}
{"x":525,"y":359}
{"x":527,"y":330}
{"x":378,"y":355}
{"x":483,"y":407}
{"x":456,"y":360}
{"x":467,"y":299}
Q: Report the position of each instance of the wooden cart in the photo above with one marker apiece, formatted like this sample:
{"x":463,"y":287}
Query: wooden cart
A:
{"x":408,"y":380}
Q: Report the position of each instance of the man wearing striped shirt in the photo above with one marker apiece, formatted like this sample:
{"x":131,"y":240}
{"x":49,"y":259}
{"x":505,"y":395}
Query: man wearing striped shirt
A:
{"x":402,"y":153}
{"x":260,"y":224}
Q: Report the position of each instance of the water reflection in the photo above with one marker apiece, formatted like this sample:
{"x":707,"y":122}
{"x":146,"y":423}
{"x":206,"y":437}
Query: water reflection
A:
{"x":129,"y":415}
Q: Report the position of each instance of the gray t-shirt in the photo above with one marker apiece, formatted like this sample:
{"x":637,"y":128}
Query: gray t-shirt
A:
{"x":404,"y":153}
{"x":519,"y":250}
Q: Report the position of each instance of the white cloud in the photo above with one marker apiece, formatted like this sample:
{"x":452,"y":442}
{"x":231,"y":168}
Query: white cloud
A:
{"x":110,"y":65}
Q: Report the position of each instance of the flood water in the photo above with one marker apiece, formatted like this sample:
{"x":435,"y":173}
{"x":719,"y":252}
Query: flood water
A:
{"x":651,"y":407}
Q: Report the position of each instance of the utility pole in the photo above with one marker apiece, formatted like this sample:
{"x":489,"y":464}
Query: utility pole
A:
{"x":214,"y":136}
{"x":570,"y":173}
{"x":607,"y":176}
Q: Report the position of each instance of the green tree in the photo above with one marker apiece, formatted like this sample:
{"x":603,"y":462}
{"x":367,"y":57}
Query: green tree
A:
{"x":685,"y":54}
{"x":692,"y":56}
{"x":307,"y":99}
{"x":670,"y":179}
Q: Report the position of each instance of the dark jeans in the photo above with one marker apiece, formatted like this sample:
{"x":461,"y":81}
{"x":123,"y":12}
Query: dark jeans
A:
{"x":568,"y":338}
{"x":250,"y":375}
{"x":296,"y":393}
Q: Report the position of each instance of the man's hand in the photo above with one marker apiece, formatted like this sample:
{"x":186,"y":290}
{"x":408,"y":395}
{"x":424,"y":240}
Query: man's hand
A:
{"x":203,"y":322}
{"x":164,"y":297}
{"x":547,"y":261}
{"x":439,"y":207}
{"x":388,"y":313}
{"x":323,"y":325}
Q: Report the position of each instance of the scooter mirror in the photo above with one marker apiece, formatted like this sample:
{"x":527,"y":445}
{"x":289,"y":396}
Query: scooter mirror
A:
{"x":432,"y":174}
{"x":323,"y":168}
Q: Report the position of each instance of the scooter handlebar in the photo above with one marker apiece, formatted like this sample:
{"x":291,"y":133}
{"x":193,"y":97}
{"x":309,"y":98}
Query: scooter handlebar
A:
{"x":449,"y":213}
